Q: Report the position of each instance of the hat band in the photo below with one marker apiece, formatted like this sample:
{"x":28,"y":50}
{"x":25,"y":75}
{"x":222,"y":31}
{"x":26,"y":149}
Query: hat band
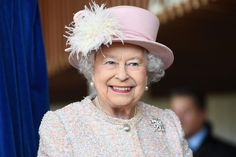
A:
{"x":134,"y":35}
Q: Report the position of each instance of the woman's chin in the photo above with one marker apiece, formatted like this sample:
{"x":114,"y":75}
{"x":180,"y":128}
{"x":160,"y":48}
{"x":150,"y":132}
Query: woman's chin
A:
{"x":120,"y":100}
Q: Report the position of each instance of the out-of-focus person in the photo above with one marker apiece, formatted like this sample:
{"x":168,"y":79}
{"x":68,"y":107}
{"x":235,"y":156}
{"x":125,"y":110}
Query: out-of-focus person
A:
{"x":191,"y":108}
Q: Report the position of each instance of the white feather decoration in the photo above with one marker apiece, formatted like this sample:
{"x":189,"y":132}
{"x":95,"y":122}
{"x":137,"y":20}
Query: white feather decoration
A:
{"x":92,"y":28}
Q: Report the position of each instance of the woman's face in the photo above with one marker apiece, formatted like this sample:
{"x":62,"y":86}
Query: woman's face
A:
{"x":120,"y":75}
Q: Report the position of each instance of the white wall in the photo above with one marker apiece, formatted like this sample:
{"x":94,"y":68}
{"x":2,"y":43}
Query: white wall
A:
{"x":222,"y":112}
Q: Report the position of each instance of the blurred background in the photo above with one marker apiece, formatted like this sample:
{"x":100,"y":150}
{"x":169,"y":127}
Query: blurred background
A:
{"x":201,"y":34}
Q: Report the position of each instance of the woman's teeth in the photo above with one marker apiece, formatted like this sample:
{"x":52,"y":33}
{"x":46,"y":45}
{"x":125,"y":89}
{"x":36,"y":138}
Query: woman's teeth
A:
{"x":121,"y":89}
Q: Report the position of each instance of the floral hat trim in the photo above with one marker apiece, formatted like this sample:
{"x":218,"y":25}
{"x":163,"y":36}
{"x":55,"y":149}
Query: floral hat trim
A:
{"x":90,"y":29}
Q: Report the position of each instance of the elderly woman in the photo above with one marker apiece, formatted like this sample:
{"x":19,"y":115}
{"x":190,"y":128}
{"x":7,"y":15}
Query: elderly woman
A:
{"x":116,"y":51}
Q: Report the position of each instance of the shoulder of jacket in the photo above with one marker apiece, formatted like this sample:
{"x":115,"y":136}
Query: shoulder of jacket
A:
{"x":66,"y":115}
{"x":156,"y":111}
{"x":151,"y":110}
{"x":74,"y":109}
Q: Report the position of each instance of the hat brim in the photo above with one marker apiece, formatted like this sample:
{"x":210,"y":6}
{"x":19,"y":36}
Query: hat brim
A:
{"x":157,"y":49}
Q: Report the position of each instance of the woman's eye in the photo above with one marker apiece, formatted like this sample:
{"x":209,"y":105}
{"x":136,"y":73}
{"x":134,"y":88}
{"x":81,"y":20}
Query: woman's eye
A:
{"x":109,"y":62}
{"x":133,"y":64}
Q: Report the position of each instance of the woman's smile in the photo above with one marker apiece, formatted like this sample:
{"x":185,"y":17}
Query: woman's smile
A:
{"x":121,"y":89}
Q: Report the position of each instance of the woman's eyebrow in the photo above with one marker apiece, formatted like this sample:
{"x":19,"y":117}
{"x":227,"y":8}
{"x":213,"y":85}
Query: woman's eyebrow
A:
{"x":109,"y":57}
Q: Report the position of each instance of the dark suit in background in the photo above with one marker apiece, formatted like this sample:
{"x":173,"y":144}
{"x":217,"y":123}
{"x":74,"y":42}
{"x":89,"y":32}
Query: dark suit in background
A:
{"x":214,"y":147}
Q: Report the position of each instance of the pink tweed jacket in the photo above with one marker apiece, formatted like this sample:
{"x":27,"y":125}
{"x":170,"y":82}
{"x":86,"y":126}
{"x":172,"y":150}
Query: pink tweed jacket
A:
{"x":80,"y":129}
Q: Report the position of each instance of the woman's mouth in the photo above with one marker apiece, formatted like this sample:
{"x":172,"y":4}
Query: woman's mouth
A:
{"x":121,"y":89}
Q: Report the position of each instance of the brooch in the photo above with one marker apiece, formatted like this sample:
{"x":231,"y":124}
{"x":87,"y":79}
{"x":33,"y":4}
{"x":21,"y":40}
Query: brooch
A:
{"x":157,"y":124}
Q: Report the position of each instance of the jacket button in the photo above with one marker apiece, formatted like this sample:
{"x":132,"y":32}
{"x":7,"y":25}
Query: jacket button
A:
{"x":126,"y":127}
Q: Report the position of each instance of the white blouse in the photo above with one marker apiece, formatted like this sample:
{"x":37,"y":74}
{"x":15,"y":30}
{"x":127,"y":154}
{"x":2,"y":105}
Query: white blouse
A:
{"x":81,"y":129}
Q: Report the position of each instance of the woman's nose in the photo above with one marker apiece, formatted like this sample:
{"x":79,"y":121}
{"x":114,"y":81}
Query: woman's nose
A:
{"x":122,"y":74}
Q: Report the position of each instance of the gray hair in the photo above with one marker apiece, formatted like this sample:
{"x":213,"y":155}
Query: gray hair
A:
{"x":155,"y":67}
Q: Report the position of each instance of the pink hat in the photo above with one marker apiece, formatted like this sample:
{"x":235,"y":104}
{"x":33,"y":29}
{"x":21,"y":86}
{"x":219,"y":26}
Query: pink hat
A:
{"x":132,"y":25}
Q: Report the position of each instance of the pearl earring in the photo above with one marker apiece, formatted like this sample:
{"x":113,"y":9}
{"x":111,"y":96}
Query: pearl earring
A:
{"x":146,"y":88}
{"x":91,"y":84}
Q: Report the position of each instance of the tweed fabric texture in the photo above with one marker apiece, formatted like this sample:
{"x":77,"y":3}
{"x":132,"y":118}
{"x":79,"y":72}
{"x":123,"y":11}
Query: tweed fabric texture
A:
{"x":81,"y":129}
